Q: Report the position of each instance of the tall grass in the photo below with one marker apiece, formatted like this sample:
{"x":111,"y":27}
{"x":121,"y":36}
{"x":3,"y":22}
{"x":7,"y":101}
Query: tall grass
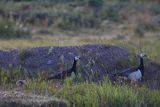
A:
{"x":10,"y":29}
{"x":72,"y":14}
{"x":107,"y":95}
{"x":86,"y":93}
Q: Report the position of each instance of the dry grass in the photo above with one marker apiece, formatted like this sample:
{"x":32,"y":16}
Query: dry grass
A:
{"x":148,"y":44}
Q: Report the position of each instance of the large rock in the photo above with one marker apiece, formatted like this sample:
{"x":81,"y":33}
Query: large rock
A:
{"x":99,"y":59}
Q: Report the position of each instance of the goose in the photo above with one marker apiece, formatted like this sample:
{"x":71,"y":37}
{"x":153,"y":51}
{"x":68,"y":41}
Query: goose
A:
{"x":66,"y":73}
{"x":133,"y":74}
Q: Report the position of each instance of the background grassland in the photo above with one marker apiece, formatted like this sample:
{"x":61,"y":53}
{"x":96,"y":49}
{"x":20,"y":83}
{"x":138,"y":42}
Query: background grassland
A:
{"x":24,"y":18}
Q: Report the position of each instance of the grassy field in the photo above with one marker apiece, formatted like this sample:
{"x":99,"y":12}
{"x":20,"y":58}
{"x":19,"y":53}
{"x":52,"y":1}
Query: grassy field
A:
{"x":132,"y":25}
{"x":86,"y":94}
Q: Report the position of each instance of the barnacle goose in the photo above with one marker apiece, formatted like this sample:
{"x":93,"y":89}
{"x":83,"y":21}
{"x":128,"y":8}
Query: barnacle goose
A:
{"x":66,"y":73}
{"x":133,"y":74}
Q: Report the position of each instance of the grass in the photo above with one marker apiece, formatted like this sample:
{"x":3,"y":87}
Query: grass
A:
{"x":105,"y":94}
{"x":150,"y":45}
{"x":11,"y":29}
{"x":88,"y":94}
{"x":86,"y":13}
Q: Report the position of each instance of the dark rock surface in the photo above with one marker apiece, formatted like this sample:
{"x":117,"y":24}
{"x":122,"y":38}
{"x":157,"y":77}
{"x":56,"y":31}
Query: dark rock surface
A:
{"x":94,"y":58}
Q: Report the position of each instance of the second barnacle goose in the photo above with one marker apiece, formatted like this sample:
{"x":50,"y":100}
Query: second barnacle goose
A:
{"x":133,"y":73}
{"x":66,"y":73}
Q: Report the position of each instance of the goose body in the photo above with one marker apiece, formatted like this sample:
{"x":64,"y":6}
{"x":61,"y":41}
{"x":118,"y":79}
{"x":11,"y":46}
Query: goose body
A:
{"x":131,"y":73}
{"x":136,"y":75}
{"x":66,"y":73}
{"x":61,"y":75}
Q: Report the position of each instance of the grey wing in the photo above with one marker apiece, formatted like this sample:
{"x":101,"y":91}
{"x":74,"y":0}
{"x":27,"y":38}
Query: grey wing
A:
{"x":125,"y":72}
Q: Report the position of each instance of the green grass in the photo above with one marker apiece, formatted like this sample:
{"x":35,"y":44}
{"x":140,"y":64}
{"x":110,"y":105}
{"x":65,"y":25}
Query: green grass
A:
{"x":85,"y":14}
{"x":105,"y":94}
{"x":89,"y":94}
{"x":9,"y":29}
{"x":86,"y":94}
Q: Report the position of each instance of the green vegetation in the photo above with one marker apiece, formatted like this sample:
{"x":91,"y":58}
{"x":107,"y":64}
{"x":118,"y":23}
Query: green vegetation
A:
{"x":74,"y":15}
{"x":89,"y":94}
{"x":105,"y":94}
{"x":10,"y":29}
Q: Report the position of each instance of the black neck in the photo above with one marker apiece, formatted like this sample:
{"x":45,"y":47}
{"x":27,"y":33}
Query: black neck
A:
{"x":74,"y":66}
{"x":141,"y":65}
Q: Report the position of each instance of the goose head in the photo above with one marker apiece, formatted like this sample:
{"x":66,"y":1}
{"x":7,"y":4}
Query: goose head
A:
{"x":76,"y":58}
{"x":142,"y":55}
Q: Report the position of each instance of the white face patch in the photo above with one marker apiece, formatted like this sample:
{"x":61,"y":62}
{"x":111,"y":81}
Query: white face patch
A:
{"x":76,"y":58}
{"x":142,"y":55}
